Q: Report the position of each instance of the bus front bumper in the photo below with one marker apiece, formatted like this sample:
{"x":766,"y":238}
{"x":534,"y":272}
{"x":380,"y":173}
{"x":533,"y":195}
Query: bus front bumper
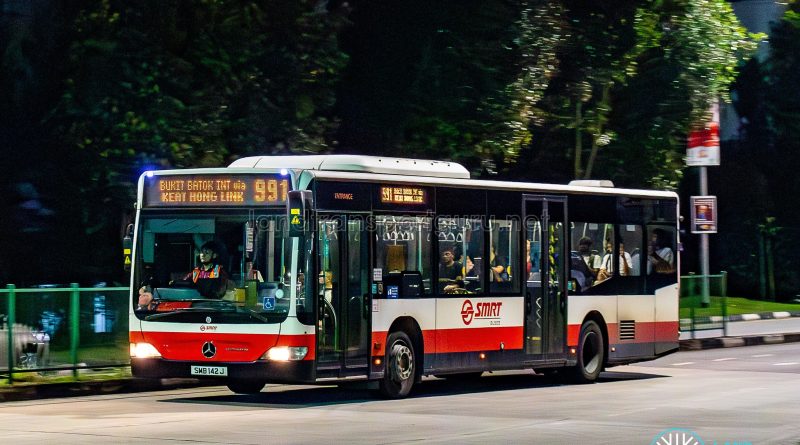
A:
{"x":299,"y":371}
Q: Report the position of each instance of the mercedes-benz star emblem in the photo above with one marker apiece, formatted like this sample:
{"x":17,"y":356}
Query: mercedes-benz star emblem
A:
{"x":209,"y":350}
{"x":208,"y":319}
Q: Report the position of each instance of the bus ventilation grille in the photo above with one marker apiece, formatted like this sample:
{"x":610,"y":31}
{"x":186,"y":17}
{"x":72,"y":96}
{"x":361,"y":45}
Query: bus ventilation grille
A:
{"x":627,"y":329}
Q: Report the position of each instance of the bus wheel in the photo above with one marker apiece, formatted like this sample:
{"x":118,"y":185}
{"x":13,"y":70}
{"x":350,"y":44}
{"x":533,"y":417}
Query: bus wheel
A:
{"x":590,"y":353}
{"x":400,"y":366}
{"x":246,"y":386}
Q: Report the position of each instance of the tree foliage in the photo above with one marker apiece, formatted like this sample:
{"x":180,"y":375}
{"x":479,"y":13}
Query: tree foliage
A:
{"x":452,"y":80}
{"x":158,"y":84}
{"x":783,"y":79}
{"x":532,"y":89}
{"x":187,"y":84}
{"x":634,"y":77}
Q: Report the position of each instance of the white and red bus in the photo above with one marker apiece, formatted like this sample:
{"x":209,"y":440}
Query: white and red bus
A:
{"x":354,"y":268}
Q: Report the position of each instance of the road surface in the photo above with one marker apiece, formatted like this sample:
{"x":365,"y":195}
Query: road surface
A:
{"x":747,"y":394}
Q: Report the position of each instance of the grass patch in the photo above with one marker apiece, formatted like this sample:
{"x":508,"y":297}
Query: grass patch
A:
{"x":94,"y":355}
{"x":65,"y":376}
{"x":735,"y":306}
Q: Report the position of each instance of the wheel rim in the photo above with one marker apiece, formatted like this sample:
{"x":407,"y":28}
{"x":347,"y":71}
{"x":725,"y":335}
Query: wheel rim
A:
{"x":591,"y":352}
{"x":403,"y":361}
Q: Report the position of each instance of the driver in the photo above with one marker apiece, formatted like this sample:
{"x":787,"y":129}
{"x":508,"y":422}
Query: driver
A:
{"x":210,"y":278}
{"x":146,"y":302}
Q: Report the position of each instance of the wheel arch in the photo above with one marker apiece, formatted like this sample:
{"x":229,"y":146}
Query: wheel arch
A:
{"x":410,"y":326}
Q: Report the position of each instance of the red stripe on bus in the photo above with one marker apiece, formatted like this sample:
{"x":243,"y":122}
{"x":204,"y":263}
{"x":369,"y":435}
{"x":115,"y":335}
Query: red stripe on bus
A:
{"x":230,"y":347}
{"x":646,"y":332}
{"x":667,"y":331}
{"x":459,"y":340}
{"x":136,"y":336}
{"x":379,"y":343}
{"x":476,"y":339}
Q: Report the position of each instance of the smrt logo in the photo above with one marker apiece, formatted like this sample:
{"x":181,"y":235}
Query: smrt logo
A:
{"x":466,"y":312}
{"x":204,"y":328}
{"x":484,"y":310}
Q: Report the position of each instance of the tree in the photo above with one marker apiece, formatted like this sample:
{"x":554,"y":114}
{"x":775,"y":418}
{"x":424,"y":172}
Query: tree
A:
{"x":691,"y":52}
{"x":446,"y":80}
{"x":782,"y":97}
{"x":632,"y":79}
{"x":192,"y":84}
{"x":159,"y":84}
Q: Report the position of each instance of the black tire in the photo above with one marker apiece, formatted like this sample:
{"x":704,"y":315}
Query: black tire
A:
{"x":246,"y":386}
{"x":401,"y":366}
{"x":591,"y":353}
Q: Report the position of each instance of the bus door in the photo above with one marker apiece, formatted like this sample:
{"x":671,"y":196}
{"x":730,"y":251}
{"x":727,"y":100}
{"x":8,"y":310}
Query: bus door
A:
{"x":343,"y":290}
{"x":545,"y":241}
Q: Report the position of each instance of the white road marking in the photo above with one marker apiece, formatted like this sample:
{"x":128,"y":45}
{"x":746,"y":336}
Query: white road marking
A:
{"x":763,"y":355}
{"x":785,"y":364}
{"x":625,"y":413}
{"x":724,"y":359}
{"x":682,"y":363}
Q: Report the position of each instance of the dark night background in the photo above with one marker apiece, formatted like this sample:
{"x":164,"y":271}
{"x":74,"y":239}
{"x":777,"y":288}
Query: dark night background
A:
{"x":96,"y":92}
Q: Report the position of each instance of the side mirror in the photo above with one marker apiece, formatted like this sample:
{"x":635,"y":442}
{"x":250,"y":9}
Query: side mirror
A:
{"x":127,"y":245}
{"x":298,"y":210}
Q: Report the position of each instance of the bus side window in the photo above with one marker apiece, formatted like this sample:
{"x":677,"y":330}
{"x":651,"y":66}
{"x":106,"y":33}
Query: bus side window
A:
{"x":504,"y":273}
{"x":403,"y":244}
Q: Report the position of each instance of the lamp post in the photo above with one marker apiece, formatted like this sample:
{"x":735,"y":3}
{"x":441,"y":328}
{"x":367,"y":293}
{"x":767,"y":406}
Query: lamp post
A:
{"x":703,"y":151}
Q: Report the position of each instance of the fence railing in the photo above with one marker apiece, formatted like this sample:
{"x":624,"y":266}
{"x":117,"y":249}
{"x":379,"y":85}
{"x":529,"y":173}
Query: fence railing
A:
{"x":57,"y":329}
{"x":702,"y":312}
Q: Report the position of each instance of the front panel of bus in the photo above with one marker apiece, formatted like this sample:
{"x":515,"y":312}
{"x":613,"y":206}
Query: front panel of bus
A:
{"x":215,"y":280}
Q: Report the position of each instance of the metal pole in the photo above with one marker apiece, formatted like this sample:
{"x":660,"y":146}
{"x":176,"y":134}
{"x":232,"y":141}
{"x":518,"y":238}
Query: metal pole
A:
{"x":762,"y":263}
{"x":723,"y":290}
{"x":75,"y":315}
{"x":10,"y":320}
{"x":770,"y":267}
{"x":705,"y":299}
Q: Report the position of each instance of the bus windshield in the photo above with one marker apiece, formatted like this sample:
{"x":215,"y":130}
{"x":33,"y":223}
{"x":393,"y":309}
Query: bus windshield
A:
{"x":236,"y":266}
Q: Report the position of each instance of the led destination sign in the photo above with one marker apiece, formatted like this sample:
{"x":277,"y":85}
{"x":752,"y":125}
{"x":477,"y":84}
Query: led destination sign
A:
{"x":215,"y":190}
{"x":403,"y":195}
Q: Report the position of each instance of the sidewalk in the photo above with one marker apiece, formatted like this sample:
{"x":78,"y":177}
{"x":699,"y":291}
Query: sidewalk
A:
{"x":36,"y":391}
{"x":744,"y":330}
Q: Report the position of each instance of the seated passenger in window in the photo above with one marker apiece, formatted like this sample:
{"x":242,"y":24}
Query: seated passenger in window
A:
{"x":450,"y":271}
{"x":660,"y":257}
{"x":498,"y":267}
{"x":592,"y":260}
{"x":607,"y":266}
{"x":528,"y":263}
{"x":580,"y":273}
{"x":471,"y":277}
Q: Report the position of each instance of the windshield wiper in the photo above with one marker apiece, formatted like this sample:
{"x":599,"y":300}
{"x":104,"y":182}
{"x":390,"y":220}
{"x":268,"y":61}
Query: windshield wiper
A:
{"x":258,"y":316}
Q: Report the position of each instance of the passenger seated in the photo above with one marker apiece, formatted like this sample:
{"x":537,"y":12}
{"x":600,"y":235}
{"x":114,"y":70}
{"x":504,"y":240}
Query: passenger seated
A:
{"x":607,"y":266}
{"x":450,"y":272}
{"x":660,"y":257}
{"x":581,"y":273}
{"x":498,"y":267}
{"x":592,"y":260}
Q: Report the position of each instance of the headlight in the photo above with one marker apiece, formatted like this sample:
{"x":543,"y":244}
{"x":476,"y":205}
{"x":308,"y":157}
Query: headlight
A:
{"x":144,"y":350}
{"x":286,"y":353}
